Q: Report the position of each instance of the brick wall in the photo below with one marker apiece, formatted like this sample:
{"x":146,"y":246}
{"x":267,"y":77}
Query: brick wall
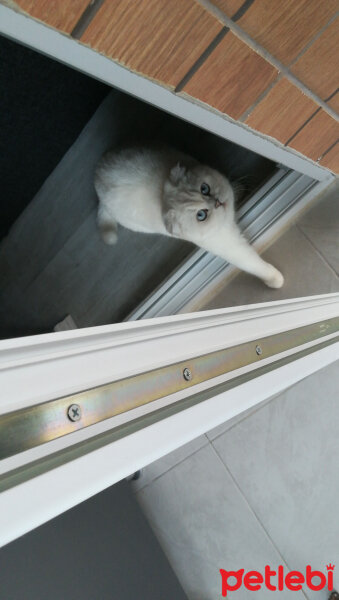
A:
{"x":270,"y":64}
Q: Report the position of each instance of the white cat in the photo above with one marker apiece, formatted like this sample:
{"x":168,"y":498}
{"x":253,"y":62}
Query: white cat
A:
{"x":161,"y":190}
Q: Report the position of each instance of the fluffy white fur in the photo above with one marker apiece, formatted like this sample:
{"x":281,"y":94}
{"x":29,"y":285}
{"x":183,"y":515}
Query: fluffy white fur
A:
{"x":159,"y":190}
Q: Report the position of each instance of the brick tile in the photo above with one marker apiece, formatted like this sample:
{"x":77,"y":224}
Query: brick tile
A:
{"x":61,"y":15}
{"x":331,"y":159}
{"x":317,"y":136}
{"x":232,"y":77}
{"x":161,"y":39}
{"x":285,"y":27}
{"x":334,"y":102}
{"x":318,"y":67}
{"x":282,"y":111}
{"x":229,"y":7}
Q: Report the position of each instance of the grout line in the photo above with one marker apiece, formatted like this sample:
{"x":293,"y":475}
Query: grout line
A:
{"x":242,"y":10}
{"x":241,"y":420}
{"x":302,"y":126}
{"x":316,"y":249}
{"x":242,"y":35}
{"x":246,"y":416}
{"x":262,"y":405}
{"x":209,"y":441}
{"x":247,"y":112}
{"x":328,"y":150}
{"x":198,"y":63}
{"x":253,"y":512}
{"x":311,"y":42}
{"x":203,"y":57}
{"x":176,"y":464}
{"x":332,"y":95}
{"x":265,"y":93}
{"x":86,"y":18}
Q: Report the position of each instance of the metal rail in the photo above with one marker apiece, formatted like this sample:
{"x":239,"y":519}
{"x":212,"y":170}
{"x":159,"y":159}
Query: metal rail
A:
{"x":27,"y":428}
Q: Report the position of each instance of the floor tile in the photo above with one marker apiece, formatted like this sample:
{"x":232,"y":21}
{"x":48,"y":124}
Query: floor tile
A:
{"x":317,"y":136}
{"x":220,"y":429}
{"x":204,"y":524}
{"x":321,"y":225}
{"x":164,"y":464}
{"x":306,"y":274}
{"x":334,"y":101}
{"x":285,"y":459}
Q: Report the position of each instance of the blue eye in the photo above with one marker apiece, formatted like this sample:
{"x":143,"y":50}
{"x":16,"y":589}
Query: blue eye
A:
{"x":202,"y":214}
{"x":205,"y":189}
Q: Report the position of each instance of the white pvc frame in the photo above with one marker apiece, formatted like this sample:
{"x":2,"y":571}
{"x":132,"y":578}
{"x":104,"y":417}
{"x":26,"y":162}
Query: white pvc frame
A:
{"x":44,"y":367}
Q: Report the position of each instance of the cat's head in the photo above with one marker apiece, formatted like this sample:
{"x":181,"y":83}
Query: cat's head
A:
{"x":197,"y":201}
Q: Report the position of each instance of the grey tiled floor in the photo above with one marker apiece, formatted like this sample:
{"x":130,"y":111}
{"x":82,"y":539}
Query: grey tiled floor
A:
{"x":264,"y":487}
{"x":204,"y":522}
{"x":285,"y":458}
{"x":321,"y":226}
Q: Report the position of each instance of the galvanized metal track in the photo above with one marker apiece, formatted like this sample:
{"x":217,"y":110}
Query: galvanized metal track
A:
{"x":27,"y":428}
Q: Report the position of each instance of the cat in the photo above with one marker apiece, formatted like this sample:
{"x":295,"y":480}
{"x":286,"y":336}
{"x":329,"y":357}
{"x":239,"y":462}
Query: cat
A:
{"x":161,"y":190}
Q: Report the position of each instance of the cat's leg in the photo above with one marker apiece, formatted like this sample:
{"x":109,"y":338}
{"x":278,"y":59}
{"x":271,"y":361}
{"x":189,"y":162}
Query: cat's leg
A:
{"x":234,"y":248}
{"x":108,"y":227}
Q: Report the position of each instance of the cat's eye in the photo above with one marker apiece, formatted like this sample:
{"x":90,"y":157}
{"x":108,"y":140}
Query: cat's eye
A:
{"x":205,"y":189}
{"x":202,"y":214}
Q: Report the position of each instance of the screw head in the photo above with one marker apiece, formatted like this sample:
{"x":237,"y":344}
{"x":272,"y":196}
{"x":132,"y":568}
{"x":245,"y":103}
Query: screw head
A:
{"x":258,"y":350}
{"x":74,"y":412}
{"x":187,"y":373}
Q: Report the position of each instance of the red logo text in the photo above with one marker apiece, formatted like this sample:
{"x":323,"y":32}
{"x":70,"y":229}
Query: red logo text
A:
{"x":276,"y":580}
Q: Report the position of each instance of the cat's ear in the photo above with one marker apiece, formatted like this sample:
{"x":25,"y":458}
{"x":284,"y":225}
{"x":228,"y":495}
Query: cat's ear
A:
{"x":178,"y":173}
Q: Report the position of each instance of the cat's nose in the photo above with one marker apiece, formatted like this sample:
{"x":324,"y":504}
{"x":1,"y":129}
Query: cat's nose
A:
{"x":218,"y":203}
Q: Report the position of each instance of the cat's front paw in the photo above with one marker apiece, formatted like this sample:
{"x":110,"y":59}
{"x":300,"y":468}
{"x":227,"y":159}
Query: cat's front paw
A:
{"x":276,"y":279}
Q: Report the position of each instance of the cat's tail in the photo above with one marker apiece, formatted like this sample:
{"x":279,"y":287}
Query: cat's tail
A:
{"x":108,"y":228}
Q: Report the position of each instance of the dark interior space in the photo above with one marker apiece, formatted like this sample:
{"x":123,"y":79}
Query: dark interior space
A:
{"x":44,"y":107}
{"x":56,"y":124}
